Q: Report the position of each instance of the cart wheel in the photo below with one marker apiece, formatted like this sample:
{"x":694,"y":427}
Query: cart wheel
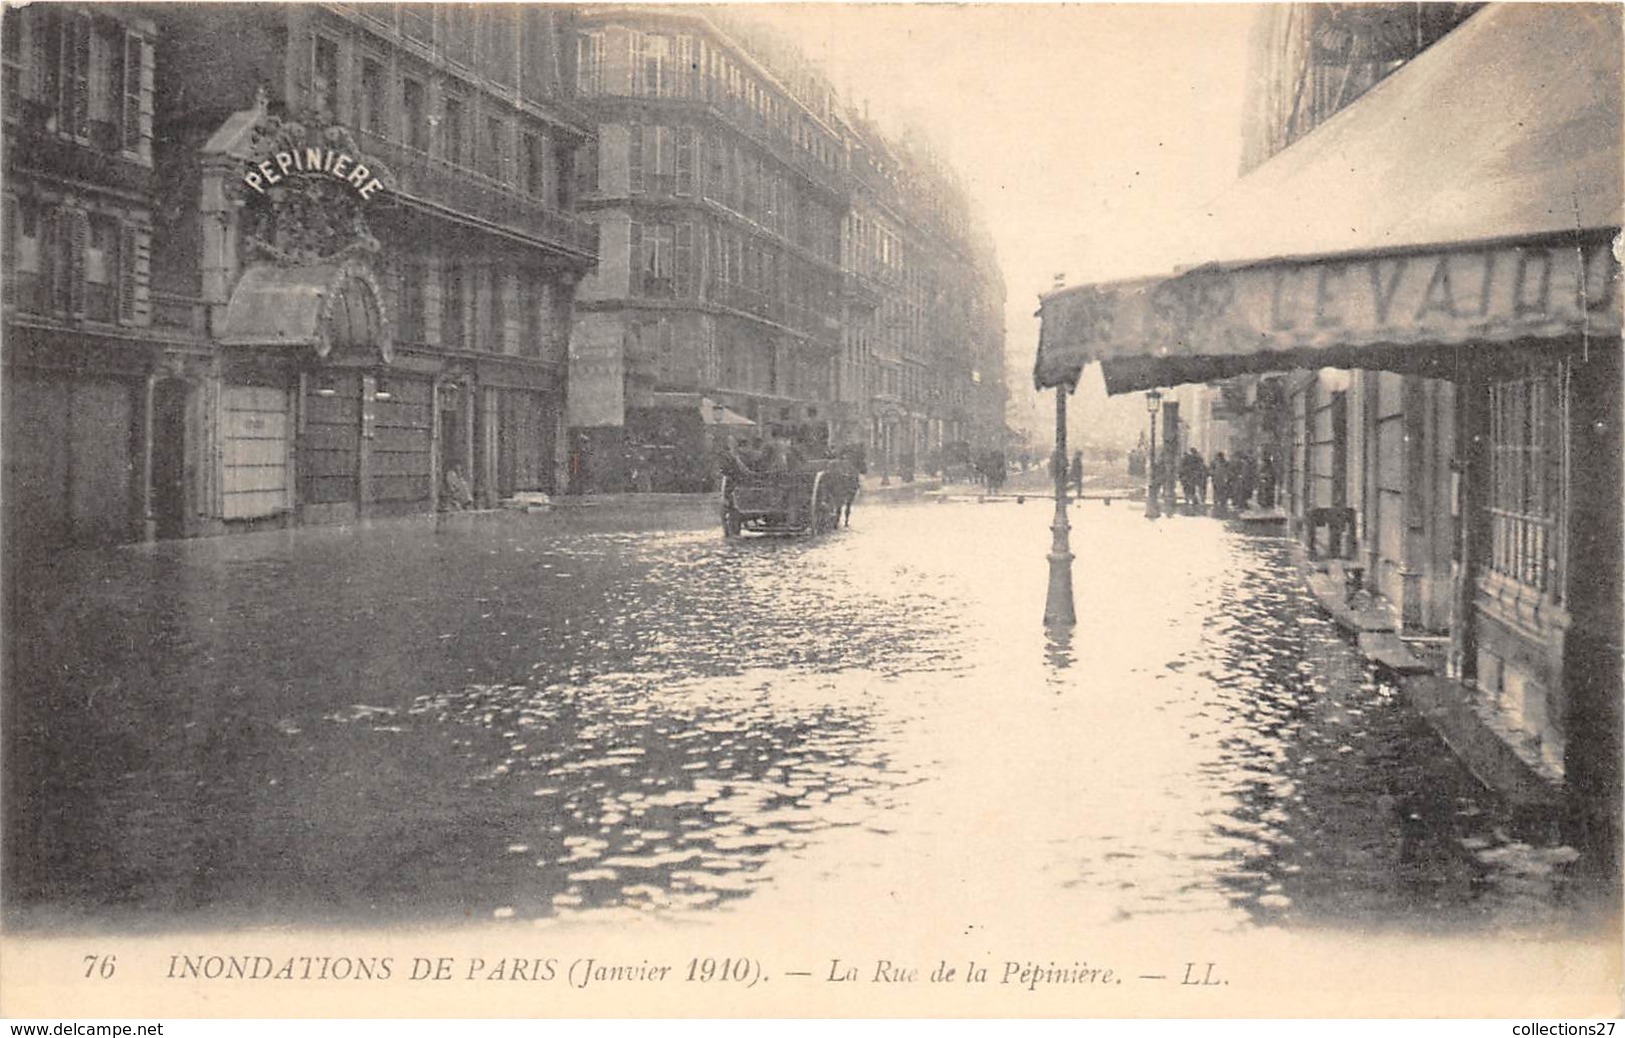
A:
{"x":815,"y":507}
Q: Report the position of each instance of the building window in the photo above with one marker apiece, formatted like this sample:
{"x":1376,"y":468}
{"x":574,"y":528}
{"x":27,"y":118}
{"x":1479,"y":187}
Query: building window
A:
{"x":496,"y":330}
{"x":11,"y":60}
{"x":415,"y":112}
{"x":324,"y":85}
{"x":498,"y":34}
{"x":459,"y":26}
{"x":652,"y":65}
{"x":590,"y":64}
{"x":660,"y":160}
{"x":101,"y":267}
{"x":374,"y":114}
{"x":411,"y":302}
{"x":539,"y":177}
{"x":1526,"y":481}
{"x":494,"y":153}
{"x":587,"y":169}
{"x":652,"y":247}
{"x":530,"y":311}
{"x":417,"y":22}
{"x":106,"y":86}
{"x":451,"y":131}
{"x":25,"y":256}
{"x":452,"y":286}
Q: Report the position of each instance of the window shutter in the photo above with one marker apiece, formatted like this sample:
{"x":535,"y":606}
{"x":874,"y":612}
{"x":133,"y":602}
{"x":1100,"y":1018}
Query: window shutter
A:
{"x":129,"y":267}
{"x":638,"y":85}
{"x":636,"y":261}
{"x":56,"y":255}
{"x":8,"y":260}
{"x":43,"y":55}
{"x":131,"y":110}
{"x":685,"y":260}
{"x":634,"y":158}
{"x":78,"y":243}
{"x":76,"y":89}
{"x":685,"y":160}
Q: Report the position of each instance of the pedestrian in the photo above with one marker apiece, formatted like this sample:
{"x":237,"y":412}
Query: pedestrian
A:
{"x":1267,"y":478}
{"x":1242,"y":480}
{"x":1077,"y":474}
{"x":1219,"y":473}
{"x":459,"y":495}
{"x":1193,"y":477}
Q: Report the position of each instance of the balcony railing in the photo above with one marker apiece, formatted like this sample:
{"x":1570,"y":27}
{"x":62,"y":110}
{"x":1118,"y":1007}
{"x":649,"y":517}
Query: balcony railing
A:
{"x":418,"y":177}
{"x":31,"y":293}
{"x":742,"y":116}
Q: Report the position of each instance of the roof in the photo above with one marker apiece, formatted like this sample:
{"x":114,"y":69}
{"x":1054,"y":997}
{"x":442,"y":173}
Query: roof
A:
{"x":1505,"y":131}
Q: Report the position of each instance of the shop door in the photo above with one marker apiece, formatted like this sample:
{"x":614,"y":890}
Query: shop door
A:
{"x":255,"y":443}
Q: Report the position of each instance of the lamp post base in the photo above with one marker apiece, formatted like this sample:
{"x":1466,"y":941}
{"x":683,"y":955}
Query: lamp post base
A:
{"x":1059,"y":610}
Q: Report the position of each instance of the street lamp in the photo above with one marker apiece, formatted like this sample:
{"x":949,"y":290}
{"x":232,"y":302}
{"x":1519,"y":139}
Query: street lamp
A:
{"x":1058,"y":606}
{"x":1153,"y":402}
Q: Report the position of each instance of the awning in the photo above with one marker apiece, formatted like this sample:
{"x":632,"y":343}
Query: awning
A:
{"x":1471,"y":197}
{"x":711,"y":412}
{"x":333,"y":309}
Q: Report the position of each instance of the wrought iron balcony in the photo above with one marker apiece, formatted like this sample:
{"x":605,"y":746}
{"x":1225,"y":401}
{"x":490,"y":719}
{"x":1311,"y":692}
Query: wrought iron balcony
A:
{"x":432,"y":182}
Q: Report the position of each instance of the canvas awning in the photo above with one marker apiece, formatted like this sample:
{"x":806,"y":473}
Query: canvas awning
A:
{"x":711,"y":412}
{"x":1470,"y":198}
{"x":331,"y":308}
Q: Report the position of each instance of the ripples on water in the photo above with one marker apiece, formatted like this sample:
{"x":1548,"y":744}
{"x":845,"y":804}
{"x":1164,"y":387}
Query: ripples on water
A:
{"x":504,"y":718}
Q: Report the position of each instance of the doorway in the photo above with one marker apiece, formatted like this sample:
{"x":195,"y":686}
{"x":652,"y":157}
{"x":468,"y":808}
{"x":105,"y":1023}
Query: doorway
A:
{"x":169,"y":399}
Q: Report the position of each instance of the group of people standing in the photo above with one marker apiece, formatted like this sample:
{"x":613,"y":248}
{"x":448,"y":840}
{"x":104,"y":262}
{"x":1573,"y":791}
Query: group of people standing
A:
{"x":1235,"y":482}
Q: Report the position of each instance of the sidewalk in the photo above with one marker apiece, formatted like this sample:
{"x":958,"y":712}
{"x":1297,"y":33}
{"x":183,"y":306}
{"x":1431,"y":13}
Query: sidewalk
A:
{"x":1532,"y":793}
{"x":871,"y":487}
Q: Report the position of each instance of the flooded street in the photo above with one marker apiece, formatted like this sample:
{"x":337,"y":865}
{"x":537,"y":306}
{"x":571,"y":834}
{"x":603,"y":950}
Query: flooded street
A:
{"x":546,"y":718}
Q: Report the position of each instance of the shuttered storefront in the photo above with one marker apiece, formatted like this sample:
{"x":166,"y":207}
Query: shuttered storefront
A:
{"x":70,"y":461}
{"x":401,"y":450}
{"x":254,"y":442}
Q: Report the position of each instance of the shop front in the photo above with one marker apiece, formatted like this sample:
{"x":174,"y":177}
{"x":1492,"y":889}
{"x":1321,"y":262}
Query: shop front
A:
{"x":1435,"y":267}
{"x":315,"y":424}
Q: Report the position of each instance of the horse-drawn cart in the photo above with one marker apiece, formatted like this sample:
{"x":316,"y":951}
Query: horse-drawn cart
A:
{"x":808,"y":498}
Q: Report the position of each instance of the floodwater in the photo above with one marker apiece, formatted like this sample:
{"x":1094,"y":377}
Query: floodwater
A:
{"x":542,"y":719}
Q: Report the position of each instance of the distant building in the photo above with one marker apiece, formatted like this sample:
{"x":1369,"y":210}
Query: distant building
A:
{"x":758,"y":263}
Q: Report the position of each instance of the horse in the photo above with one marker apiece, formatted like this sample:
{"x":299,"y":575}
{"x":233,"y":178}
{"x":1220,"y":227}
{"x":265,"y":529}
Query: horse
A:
{"x":841,"y":479}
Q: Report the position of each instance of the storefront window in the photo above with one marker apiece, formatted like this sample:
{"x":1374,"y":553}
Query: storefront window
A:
{"x":1526,"y":480}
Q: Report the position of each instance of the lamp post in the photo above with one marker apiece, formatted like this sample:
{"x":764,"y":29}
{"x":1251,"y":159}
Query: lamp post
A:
{"x":1058,"y":608}
{"x":1153,"y":402}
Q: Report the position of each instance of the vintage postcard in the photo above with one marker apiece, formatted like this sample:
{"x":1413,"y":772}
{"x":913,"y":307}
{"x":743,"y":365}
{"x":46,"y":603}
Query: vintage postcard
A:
{"x":811,"y":510}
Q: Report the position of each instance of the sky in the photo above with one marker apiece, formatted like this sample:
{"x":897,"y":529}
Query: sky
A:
{"x":1082,"y":132}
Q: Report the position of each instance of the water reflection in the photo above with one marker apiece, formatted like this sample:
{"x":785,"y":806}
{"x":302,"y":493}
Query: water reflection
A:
{"x":524,"y":718}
